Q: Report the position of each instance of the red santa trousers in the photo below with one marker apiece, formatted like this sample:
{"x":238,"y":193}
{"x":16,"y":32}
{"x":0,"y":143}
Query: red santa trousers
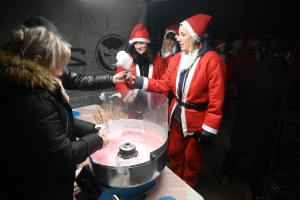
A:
{"x":185,"y":155}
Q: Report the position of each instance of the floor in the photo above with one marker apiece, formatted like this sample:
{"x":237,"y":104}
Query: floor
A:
{"x":209,"y":185}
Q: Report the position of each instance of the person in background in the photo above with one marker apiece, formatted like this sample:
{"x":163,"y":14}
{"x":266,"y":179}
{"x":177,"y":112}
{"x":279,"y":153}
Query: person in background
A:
{"x":170,"y":45}
{"x":221,"y":48}
{"x":262,"y":89}
{"x":196,"y":77}
{"x":235,"y":57}
{"x":145,"y":62}
{"x":253,"y":51}
{"x":38,"y":134}
{"x":70,"y":79}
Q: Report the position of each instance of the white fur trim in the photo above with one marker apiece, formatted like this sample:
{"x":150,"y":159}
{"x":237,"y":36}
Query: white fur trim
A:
{"x":137,"y":69}
{"x":191,"y":31}
{"x":186,"y":88}
{"x":223,"y":44}
{"x":167,"y":54}
{"x":150,"y":72}
{"x":170,"y":31}
{"x":170,"y":117}
{"x":139,"y":40}
{"x":145,"y":85}
{"x":209,"y":129}
{"x":183,"y":122}
{"x":189,"y":80}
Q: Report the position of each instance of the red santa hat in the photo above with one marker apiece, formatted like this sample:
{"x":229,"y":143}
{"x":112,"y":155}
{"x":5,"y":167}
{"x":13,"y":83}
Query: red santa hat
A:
{"x":238,"y":41}
{"x":219,"y":43}
{"x":196,"y":25}
{"x":139,"y":34}
{"x":172,"y":29}
{"x":254,"y":40}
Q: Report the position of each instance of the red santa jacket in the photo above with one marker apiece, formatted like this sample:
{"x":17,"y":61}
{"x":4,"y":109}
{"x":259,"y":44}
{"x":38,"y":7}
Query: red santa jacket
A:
{"x":167,"y":58}
{"x":236,"y":59}
{"x":205,"y":83}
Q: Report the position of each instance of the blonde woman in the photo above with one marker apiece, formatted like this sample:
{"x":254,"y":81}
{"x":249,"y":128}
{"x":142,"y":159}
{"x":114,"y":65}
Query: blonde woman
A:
{"x":195,"y":77}
{"x":38,"y":133}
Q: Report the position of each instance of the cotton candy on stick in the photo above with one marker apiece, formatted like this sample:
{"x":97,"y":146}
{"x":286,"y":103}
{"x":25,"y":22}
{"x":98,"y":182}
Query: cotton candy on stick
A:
{"x":125,"y":61}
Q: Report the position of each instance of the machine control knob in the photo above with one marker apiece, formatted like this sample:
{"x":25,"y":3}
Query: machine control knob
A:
{"x":116,"y":197}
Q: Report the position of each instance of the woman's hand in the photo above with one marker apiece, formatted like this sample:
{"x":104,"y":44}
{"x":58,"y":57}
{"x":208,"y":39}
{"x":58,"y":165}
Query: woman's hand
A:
{"x":131,"y":79}
{"x":167,"y":48}
{"x":120,"y":77}
{"x":105,"y":141}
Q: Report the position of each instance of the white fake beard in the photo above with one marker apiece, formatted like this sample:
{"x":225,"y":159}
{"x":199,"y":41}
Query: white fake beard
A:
{"x":187,"y":60}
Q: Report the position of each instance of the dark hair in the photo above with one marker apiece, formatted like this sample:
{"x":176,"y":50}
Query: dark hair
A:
{"x":147,"y":57}
{"x":170,"y":36}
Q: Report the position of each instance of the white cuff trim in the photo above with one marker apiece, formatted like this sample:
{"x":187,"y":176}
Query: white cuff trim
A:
{"x":167,"y":54}
{"x":209,"y":129}
{"x":145,"y":85}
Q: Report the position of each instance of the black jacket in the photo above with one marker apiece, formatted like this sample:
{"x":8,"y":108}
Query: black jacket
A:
{"x":72,"y":80}
{"x":38,"y":146}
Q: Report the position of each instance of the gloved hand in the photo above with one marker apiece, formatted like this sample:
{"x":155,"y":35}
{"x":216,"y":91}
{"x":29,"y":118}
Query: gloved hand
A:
{"x":204,"y":138}
{"x":138,"y":82}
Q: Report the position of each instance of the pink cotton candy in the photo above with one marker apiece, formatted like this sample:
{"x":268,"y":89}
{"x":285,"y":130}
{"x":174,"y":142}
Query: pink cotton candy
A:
{"x":144,"y":145}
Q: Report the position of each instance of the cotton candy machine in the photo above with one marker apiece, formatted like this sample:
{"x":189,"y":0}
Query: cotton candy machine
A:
{"x":135,"y":156}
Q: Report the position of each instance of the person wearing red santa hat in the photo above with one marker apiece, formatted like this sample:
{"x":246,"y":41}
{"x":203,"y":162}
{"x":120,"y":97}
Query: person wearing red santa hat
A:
{"x":196,"y":77}
{"x":220,"y":48}
{"x":235,"y":57}
{"x":170,"y":45}
{"x":145,"y":63}
{"x":252,"y":51}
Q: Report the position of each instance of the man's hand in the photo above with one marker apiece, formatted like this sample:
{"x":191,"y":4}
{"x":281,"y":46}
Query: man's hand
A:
{"x":204,"y":138}
{"x":120,"y":77}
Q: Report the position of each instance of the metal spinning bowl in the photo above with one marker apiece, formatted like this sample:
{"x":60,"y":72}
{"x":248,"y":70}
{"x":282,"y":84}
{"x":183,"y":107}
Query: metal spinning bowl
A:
{"x":154,"y":118}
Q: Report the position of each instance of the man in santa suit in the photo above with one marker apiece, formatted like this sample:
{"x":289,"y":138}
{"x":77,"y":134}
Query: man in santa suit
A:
{"x":144,"y":62}
{"x":196,"y":77}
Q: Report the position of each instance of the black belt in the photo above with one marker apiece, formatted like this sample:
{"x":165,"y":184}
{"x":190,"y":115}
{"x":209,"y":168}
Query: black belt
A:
{"x":198,"y":106}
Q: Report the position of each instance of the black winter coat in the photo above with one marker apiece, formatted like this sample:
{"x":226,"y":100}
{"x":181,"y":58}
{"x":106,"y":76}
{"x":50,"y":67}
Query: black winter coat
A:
{"x":38,"y":146}
{"x":261,"y":92}
{"x":71,"y":80}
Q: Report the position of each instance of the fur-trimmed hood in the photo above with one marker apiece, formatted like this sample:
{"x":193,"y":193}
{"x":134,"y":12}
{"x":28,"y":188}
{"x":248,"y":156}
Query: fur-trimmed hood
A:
{"x":24,"y":74}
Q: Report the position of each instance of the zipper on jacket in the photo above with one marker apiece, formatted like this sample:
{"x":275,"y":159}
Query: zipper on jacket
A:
{"x":67,"y":125}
